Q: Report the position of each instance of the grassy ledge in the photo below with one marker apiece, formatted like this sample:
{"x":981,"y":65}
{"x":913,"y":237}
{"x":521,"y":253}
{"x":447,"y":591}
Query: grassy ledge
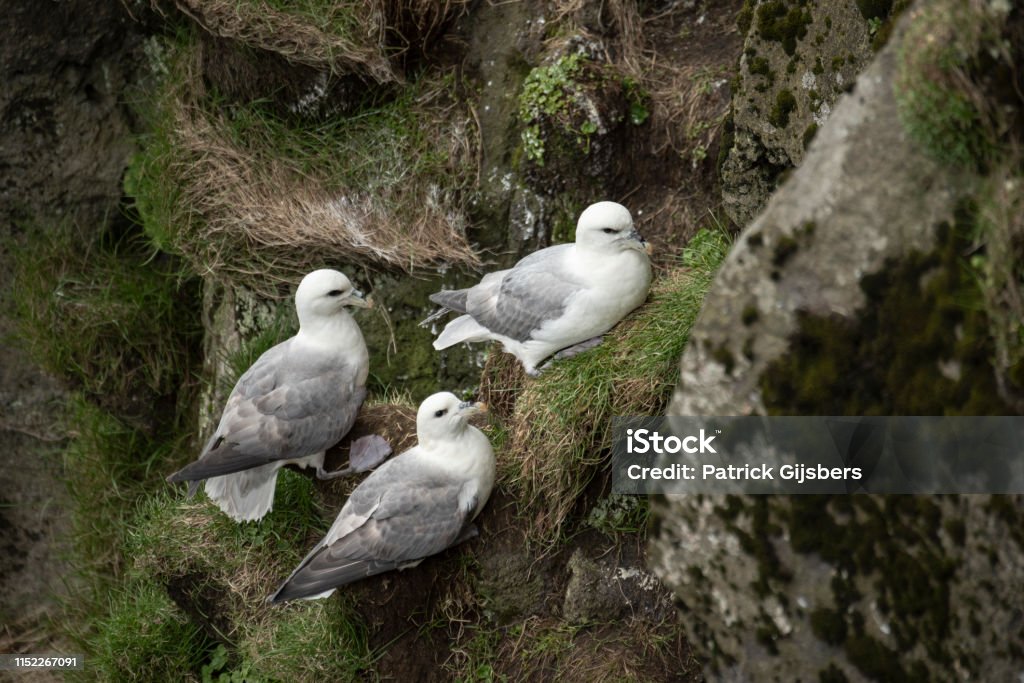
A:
{"x":555,"y":443}
{"x":262,"y":199}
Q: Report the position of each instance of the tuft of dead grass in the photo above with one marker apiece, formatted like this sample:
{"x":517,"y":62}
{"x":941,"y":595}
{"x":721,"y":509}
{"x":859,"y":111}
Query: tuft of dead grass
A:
{"x":242,"y":192}
{"x":356,"y":36}
{"x":545,"y":648}
{"x":559,"y":429}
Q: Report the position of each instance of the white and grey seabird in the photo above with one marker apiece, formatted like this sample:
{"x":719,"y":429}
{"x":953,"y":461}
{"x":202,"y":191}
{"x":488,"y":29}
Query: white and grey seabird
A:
{"x":296,"y":401}
{"x":413,"y":506}
{"x":560,"y":299}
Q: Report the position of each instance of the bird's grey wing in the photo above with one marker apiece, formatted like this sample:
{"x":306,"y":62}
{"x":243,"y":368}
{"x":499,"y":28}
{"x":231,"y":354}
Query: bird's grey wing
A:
{"x":535,"y":291}
{"x":285,"y":406}
{"x":398,"y":515}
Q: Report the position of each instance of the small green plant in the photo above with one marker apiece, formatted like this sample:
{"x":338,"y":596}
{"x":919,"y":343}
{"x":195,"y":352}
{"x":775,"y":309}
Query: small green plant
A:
{"x":547,"y":93}
{"x":639,"y":101}
{"x":617,"y":514}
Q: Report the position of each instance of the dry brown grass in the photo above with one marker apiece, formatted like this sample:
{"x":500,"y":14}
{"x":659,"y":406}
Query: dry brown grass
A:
{"x":358,"y":36}
{"x":242,"y":193}
{"x":685,"y":111}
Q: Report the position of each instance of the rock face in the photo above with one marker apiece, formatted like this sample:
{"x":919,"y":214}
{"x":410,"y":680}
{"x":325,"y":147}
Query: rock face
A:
{"x":830,"y":303}
{"x":797,"y":59}
{"x":64,"y":141}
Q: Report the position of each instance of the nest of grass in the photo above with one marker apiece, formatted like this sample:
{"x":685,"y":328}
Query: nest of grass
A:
{"x":355,"y":36}
{"x":557,"y":443}
{"x":244,"y":193}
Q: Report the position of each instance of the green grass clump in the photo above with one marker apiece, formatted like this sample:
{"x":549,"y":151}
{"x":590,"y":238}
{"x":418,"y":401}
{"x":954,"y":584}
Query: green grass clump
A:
{"x":223,"y":571}
{"x":108,"y":466}
{"x":263,"y":198}
{"x":144,"y":636}
{"x":108,"y":313}
{"x":560,"y":429}
{"x":172,"y":537}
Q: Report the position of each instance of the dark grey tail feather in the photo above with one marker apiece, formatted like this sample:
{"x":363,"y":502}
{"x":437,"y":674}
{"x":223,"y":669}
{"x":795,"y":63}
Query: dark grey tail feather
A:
{"x":452,"y":299}
{"x":222,"y":463}
{"x":449,"y":300}
{"x":193,"y":486}
{"x":305,"y":582}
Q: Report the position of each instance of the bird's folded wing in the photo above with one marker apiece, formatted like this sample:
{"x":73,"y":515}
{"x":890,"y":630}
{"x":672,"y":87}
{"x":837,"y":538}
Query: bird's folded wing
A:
{"x":401,"y":517}
{"x":535,"y":291}
{"x":283,"y":407}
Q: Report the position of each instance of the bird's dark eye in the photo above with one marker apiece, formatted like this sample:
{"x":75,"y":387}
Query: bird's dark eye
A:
{"x":441,"y":413}
{"x":609,"y":231}
{"x":334,"y":292}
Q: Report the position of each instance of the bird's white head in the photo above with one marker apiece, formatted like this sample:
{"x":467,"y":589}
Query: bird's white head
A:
{"x":323,"y":293}
{"x":608,"y":226}
{"x":443,"y":416}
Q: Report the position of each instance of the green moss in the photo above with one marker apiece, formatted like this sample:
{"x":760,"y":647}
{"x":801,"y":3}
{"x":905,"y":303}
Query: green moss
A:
{"x":785,"y":104}
{"x":875,"y":660}
{"x":759,"y":66}
{"x":758,"y":543}
{"x":1006,"y":509}
{"x":829,"y":625}
{"x":548,"y":93}
{"x":946,"y":65}
{"x":745,"y":16}
{"x":832,"y":674}
{"x":724,"y":357}
{"x":818,"y":68}
{"x":782,"y":22}
{"x":809,"y":133}
{"x":894,"y":539}
{"x":833,"y":368}
{"x":784,"y":250}
{"x":766,"y":634}
{"x":874,"y":9}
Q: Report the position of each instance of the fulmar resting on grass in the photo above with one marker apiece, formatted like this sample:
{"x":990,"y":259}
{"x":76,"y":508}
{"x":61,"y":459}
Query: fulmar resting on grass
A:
{"x":556,"y":300}
{"x":413,"y":506}
{"x":296,"y":401}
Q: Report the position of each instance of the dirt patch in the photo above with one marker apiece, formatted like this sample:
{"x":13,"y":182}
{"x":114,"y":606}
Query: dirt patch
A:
{"x":669,"y":176}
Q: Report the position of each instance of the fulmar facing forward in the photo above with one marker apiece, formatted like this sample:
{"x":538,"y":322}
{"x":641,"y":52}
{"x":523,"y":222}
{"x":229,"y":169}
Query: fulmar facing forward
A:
{"x":560,"y":299}
{"x":296,"y":401}
{"x":413,"y":506}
